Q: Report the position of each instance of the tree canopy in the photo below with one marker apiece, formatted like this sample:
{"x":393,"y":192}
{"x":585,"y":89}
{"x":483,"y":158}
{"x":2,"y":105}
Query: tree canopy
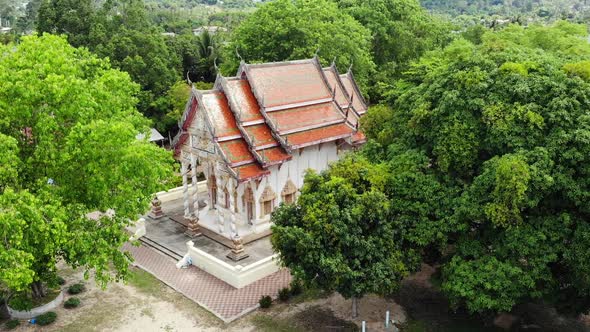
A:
{"x":68,"y":128}
{"x":338,"y":236}
{"x":502,"y":126}
{"x":289,"y":30}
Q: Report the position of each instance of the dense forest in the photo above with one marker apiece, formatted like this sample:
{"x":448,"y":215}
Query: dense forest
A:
{"x":477,"y":159}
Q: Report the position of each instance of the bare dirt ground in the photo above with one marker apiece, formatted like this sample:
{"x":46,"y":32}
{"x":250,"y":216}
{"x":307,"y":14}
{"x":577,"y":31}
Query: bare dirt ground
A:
{"x":145,"y":304}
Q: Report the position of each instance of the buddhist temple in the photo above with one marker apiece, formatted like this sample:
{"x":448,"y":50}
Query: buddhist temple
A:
{"x":254,"y":136}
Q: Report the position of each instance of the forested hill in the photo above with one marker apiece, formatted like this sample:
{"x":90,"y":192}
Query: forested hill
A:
{"x":541,"y":9}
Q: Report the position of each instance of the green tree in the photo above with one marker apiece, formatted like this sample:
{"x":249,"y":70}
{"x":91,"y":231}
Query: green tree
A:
{"x":69,"y":148}
{"x":501,"y":130}
{"x":337,"y":236}
{"x":73,"y":18}
{"x":287,"y":30}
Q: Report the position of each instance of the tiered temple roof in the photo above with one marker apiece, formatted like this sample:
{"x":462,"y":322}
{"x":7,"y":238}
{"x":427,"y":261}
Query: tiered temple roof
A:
{"x":258,"y":118}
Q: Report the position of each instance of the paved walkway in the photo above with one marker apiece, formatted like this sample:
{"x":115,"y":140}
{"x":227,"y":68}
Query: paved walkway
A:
{"x":224,"y":301}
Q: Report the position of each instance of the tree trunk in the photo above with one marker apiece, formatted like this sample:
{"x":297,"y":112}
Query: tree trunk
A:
{"x":4,"y":308}
{"x":38,"y":290}
{"x":355,"y":312}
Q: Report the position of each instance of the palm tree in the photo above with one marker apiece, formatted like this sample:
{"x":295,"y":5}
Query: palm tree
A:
{"x":208,"y":56}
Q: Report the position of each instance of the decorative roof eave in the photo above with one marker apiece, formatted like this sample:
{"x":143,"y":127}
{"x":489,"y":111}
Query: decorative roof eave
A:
{"x":295,"y":105}
{"x":246,"y":179}
{"x":336,"y":73}
{"x":356,"y":87}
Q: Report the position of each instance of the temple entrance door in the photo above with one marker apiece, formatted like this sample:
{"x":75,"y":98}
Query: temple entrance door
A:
{"x":249,"y":204}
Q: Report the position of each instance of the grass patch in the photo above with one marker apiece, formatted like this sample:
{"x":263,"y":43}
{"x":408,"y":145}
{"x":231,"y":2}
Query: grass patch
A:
{"x":145,"y":282}
{"x":310,"y":294}
{"x":265,"y":323}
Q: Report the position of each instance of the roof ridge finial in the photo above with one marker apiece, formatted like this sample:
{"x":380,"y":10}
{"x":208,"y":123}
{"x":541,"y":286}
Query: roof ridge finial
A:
{"x":317,"y":52}
{"x":215,"y":65}
{"x":188,"y":79}
{"x":239,"y":56}
{"x":350,"y":68}
{"x":334,"y":61}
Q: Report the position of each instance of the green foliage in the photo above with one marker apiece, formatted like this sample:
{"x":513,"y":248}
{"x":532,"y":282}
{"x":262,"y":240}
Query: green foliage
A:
{"x":72,"y":302}
{"x":296,"y":287}
{"x":337,"y":235}
{"x":288,"y":30}
{"x":485,"y":145}
{"x":284,"y":294}
{"x":21,"y":302}
{"x":265,"y":302}
{"x":76,"y":289}
{"x":47,"y":318}
{"x":75,"y":128}
{"x":12,"y":324}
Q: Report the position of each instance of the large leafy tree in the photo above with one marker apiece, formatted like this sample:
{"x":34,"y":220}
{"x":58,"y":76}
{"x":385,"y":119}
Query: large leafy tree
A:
{"x":338,"y":236}
{"x":121,"y":31}
{"x":287,"y":30}
{"x":68,"y":127}
{"x":503,"y":127}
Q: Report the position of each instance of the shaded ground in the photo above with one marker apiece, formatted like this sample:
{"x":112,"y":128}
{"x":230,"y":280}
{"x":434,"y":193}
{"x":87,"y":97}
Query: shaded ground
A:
{"x":429,"y":311}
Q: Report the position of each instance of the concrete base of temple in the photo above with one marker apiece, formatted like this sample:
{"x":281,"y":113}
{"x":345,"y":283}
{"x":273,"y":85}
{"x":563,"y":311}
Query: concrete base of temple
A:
{"x":237,"y":256}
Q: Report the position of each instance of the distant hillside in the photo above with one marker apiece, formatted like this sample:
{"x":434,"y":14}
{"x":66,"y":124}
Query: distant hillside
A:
{"x":543,"y":9}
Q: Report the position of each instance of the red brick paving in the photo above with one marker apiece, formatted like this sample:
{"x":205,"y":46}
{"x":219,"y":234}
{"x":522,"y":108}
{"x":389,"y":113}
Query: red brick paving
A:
{"x":224,"y":301}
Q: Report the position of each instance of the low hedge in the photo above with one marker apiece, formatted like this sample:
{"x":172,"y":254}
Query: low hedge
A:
{"x":76,"y":289}
{"x":47,"y":318}
{"x":12,"y":324}
{"x":72,"y":302}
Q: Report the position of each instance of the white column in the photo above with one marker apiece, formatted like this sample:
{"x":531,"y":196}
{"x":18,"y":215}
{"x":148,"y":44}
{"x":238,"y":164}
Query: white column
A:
{"x":195,"y":184}
{"x":185,"y":195}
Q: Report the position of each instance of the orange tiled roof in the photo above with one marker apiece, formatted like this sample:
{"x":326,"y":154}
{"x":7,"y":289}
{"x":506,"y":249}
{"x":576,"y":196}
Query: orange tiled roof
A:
{"x":240,"y":94}
{"x":237,"y":152}
{"x":219,"y":114}
{"x":319,"y":135}
{"x":258,"y":118}
{"x":287,"y":83}
{"x":358,"y":102}
{"x":305,"y":117}
{"x":342,"y":97}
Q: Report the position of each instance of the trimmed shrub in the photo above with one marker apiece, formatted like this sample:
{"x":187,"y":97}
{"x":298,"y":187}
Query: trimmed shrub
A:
{"x":296,"y":287}
{"x":72,"y":302}
{"x":47,"y":318}
{"x":76,"y":289}
{"x":284,"y":294}
{"x":265,"y":302}
{"x":12,"y":324}
{"x":21,"y":302}
{"x":60,"y":281}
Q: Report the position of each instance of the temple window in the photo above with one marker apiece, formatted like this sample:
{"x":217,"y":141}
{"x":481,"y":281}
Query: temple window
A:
{"x":288,"y":193}
{"x":267,"y":201}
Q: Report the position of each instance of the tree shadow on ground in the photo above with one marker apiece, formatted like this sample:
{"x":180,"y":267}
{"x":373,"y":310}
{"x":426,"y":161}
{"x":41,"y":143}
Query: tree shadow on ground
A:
{"x":428,"y":310}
